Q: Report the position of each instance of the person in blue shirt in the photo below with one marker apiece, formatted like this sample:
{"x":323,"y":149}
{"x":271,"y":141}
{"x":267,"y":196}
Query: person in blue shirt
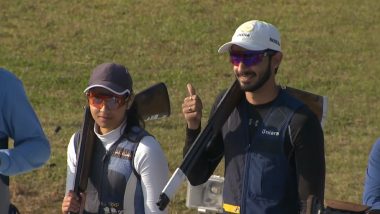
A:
{"x":19,"y":122}
{"x":371,"y":195}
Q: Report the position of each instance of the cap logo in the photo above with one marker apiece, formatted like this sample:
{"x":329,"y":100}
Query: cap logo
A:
{"x":274,"y":41}
{"x":243,"y":35}
{"x":247,"y":27}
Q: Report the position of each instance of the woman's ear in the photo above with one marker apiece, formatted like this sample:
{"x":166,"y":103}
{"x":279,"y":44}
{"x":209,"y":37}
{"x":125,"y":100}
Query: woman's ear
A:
{"x":130,"y":100}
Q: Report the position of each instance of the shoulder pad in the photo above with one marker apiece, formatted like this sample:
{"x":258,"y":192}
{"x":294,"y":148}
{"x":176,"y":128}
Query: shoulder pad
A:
{"x":136,"y":134}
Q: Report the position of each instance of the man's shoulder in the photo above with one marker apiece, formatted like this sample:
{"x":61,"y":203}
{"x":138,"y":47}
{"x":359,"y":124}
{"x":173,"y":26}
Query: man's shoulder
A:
{"x":304,"y":114}
{"x":306,"y":122}
{"x":292,"y":101}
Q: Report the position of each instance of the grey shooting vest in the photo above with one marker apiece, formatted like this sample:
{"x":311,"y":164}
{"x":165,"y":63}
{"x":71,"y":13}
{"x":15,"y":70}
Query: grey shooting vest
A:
{"x":114,"y":185}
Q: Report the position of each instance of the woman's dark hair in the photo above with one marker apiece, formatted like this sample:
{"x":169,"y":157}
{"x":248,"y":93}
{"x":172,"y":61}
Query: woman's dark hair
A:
{"x":133,"y":118}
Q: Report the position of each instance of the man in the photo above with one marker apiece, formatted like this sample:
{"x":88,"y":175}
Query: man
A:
{"x":273,"y":144}
{"x":18,"y":121}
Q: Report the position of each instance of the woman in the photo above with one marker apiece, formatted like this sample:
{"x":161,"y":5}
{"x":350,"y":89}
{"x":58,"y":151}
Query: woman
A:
{"x":129,"y":169}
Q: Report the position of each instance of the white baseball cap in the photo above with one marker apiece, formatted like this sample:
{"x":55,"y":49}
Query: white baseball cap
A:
{"x":254,"y":35}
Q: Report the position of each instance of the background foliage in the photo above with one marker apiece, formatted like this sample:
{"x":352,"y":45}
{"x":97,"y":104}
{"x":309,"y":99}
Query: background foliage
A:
{"x":330,"y":48}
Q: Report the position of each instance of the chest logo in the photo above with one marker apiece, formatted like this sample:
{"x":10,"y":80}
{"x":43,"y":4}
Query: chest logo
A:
{"x":123,"y":154}
{"x":270,"y":132}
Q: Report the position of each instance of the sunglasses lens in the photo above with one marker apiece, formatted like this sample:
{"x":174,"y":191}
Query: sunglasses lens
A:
{"x":112,"y":103}
{"x":248,"y":59}
{"x":98,"y":101}
{"x":235,"y":60}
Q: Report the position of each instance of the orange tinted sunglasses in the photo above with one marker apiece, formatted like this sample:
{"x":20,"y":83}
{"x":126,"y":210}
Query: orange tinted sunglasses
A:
{"x":99,"y":100}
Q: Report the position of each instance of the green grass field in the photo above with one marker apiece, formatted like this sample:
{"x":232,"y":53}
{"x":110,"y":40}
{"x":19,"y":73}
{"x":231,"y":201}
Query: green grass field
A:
{"x":330,"y":48}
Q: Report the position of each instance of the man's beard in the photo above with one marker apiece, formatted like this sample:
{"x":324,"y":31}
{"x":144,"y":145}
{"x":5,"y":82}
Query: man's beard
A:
{"x":260,"y":82}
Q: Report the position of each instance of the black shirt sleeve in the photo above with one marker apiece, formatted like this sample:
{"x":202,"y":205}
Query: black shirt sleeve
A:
{"x":306,"y":150}
{"x":210,"y":158}
{"x":191,"y":135}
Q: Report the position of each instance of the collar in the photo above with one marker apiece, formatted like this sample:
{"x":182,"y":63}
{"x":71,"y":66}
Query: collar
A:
{"x":111,"y":137}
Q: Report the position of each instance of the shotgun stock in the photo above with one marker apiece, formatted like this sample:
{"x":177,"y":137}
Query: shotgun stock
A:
{"x":336,"y":207}
{"x":152,"y":103}
{"x":316,"y":103}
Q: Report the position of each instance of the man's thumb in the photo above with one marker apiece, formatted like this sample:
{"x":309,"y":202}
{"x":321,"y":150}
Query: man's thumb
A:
{"x":190,"y":89}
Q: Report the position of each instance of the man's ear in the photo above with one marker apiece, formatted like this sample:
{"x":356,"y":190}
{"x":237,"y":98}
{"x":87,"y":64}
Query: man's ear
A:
{"x":130,"y":100}
{"x":276,"y":60}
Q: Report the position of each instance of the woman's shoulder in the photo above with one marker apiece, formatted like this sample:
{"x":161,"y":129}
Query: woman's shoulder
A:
{"x":136,"y":134}
{"x":149,"y":152}
{"x":150,"y":142}
{"x":147,"y":142}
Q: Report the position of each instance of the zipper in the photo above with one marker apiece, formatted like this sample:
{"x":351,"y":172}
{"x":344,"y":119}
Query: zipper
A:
{"x":105,"y":162}
{"x":244,"y":189}
{"x":104,"y":173}
{"x":251,"y":128}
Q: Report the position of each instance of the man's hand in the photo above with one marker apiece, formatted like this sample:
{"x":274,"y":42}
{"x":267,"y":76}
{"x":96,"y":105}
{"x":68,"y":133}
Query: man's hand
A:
{"x":192,"y":108}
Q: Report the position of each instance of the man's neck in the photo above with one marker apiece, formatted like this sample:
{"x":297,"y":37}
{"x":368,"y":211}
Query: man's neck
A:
{"x":265,"y":94}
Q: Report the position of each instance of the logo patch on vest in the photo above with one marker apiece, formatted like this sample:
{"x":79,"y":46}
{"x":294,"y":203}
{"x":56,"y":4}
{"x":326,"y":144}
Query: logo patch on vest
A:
{"x":270,"y":132}
{"x":123,"y":154}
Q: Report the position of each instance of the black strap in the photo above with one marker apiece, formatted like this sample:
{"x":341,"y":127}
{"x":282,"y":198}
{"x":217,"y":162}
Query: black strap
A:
{"x":13,"y":209}
{"x":5,"y":179}
{"x":136,"y":134}
{"x":4,"y":145}
{"x":76,"y":141}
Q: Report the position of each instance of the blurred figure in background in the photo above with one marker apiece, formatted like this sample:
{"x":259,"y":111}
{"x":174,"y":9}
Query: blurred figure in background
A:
{"x":371,"y":195}
{"x":19,"y":122}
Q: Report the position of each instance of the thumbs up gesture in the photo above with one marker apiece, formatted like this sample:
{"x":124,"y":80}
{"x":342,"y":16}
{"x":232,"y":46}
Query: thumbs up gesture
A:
{"x":192,"y":108}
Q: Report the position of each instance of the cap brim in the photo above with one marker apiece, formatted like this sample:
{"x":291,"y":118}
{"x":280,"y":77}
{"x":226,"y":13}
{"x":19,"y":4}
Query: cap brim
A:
{"x":227,"y":46}
{"x":108,"y":88}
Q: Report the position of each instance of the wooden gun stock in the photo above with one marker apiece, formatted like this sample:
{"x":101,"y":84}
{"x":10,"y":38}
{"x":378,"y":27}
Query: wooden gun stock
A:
{"x":316,"y":103}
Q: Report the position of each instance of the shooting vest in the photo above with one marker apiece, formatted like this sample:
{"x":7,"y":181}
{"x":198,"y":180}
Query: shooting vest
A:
{"x":258,"y":177}
{"x":114,"y":185}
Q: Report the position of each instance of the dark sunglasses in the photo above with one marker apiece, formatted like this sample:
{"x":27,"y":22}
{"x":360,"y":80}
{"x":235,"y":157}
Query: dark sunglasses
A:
{"x":112,"y":101}
{"x":249,"y":58}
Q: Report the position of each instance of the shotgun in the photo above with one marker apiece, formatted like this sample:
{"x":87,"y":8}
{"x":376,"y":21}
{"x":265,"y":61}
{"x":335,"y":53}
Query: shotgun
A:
{"x":224,"y":108}
{"x":152,"y":103}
